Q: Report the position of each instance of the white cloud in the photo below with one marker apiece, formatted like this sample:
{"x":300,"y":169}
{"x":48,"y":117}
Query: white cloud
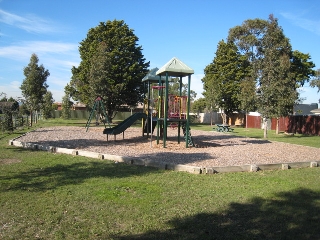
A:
{"x":22,"y":51}
{"x":11,"y":89}
{"x":57,"y":57}
{"x":29,"y":23}
{"x":310,"y":25}
{"x":59,"y":81}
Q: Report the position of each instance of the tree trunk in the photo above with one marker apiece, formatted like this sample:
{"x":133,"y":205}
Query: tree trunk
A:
{"x":31,"y":118}
{"x":224,"y":118}
{"x":277,"y":126}
{"x":246,"y":120}
{"x":265,"y":132}
{"x":227,"y":119}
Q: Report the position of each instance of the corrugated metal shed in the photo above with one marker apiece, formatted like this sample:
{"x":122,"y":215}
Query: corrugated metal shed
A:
{"x":175,"y":68}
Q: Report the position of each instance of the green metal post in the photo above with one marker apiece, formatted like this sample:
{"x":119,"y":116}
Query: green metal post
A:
{"x":105,"y":115}
{"x":148,"y":115}
{"x":180,"y":92}
{"x":165,"y":116}
{"x":90,"y":116}
{"x":188,"y":109}
{"x":159,"y":111}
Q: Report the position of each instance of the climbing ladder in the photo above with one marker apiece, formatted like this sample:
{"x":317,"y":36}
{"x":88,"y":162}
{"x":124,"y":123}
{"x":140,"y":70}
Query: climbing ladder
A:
{"x":188,"y":138}
{"x":98,"y":105}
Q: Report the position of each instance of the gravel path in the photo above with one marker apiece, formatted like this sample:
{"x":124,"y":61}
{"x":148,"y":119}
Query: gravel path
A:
{"x":215,"y":149}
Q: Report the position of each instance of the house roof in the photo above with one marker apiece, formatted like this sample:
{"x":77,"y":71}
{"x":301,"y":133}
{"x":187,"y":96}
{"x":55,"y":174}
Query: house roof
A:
{"x":175,"y":68}
{"x":304,"y":109}
{"x":316,"y":111}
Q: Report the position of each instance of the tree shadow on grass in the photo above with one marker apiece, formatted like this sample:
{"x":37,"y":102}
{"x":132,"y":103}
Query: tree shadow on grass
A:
{"x":40,"y":179}
{"x":288,"y":215}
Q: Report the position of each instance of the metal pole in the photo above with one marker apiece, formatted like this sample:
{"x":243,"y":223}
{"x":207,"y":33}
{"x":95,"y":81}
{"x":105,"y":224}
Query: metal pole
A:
{"x":180,"y":92}
{"x":188,"y":109}
{"x":165,"y":101}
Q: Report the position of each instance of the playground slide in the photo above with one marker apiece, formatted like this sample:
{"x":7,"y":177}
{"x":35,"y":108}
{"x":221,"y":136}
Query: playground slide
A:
{"x":121,"y":127}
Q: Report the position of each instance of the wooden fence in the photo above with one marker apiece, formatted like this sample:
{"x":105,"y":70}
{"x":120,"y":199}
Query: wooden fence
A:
{"x":302,"y":124}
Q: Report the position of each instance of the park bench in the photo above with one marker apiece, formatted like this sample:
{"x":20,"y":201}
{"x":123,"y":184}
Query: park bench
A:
{"x":223,"y":128}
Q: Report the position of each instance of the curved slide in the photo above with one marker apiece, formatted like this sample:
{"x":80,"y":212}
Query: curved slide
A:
{"x":121,"y":127}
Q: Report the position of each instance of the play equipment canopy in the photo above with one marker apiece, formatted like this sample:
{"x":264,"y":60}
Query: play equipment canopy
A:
{"x":175,"y":68}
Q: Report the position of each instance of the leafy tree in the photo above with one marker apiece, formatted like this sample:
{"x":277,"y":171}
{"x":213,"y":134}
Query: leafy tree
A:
{"x":66,"y":107}
{"x":315,"y":82}
{"x":54,"y":106}
{"x":222,"y":79}
{"x":199,"y":105}
{"x":277,"y":89}
{"x":47,"y":105}
{"x":174,"y":88}
{"x":247,"y":95}
{"x":4,"y":98}
{"x":112,"y":67}
{"x":9,"y":108}
{"x":24,"y":109}
{"x":301,"y":67}
{"x":34,"y":86}
{"x":276,"y":70}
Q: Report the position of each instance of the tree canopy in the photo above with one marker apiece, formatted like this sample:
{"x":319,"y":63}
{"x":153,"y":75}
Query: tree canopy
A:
{"x":256,"y":69}
{"x":66,"y":106}
{"x":8,"y":107}
{"x":222,"y":78}
{"x":175,"y":90}
{"x":47,"y":105}
{"x":199,"y":105}
{"x":112,"y":67}
{"x":315,"y":82}
{"x":34,"y":86}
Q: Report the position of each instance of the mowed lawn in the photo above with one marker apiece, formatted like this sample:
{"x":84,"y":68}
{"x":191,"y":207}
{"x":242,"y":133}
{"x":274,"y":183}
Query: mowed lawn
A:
{"x":56,"y":196}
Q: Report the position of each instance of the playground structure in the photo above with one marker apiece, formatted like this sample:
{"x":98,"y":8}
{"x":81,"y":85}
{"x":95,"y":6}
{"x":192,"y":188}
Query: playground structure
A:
{"x":171,"y":110}
{"x":101,"y":115}
{"x":99,"y":110}
{"x":163,"y":112}
{"x":121,"y":127}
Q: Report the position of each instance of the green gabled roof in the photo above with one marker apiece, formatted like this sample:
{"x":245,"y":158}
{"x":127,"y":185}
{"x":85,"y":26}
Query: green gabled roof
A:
{"x":152,"y":76}
{"x":175,"y":68}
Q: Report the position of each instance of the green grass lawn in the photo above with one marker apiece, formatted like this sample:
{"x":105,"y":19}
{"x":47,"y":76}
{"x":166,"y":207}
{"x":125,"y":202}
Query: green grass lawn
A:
{"x":56,"y":196}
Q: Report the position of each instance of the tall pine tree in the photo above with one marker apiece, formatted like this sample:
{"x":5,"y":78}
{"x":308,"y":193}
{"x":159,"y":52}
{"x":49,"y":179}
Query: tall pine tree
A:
{"x":34,"y":86}
{"x":112,"y":67}
{"x":222,"y":79}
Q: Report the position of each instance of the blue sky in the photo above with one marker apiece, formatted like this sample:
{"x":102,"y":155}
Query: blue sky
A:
{"x":187,"y":29}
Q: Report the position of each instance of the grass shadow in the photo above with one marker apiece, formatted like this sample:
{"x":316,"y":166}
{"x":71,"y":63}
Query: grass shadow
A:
{"x":288,"y":215}
{"x":40,"y":179}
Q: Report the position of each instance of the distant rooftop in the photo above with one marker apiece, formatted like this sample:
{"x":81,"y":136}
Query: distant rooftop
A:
{"x":304,"y":109}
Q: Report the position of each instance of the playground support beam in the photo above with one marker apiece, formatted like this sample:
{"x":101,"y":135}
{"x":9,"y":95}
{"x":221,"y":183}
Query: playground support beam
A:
{"x":165,"y":111}
{"x":180,"y":93}
{"x":188,"y":110}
